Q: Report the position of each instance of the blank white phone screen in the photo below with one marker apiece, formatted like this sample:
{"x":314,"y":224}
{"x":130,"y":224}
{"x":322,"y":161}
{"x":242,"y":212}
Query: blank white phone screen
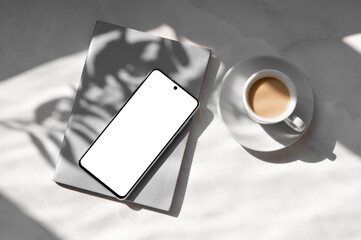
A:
{"x":139,"y":133}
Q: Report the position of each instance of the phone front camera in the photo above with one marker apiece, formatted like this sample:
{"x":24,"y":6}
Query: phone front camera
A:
{"x":175,"y":87}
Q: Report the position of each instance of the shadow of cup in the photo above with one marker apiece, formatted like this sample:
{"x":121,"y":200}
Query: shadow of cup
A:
{"x":317,"y":143}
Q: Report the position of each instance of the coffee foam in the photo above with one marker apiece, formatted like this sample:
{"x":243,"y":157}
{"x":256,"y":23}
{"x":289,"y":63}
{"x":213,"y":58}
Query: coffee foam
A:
{"x":268,"y":97}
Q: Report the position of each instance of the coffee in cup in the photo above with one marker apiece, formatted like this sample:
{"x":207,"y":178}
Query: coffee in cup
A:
{"x":269,"y":96}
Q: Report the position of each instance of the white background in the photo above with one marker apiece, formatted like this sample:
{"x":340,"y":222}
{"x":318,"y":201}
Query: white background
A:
{"x":231,"y":193}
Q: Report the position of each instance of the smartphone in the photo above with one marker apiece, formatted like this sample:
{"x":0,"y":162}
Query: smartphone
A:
{"x":139,"y":133}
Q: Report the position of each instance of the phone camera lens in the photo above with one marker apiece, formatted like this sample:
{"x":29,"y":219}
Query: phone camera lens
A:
{"x":175,"y":87}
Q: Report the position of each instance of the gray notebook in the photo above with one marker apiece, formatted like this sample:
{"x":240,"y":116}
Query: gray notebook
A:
{"x":118,"y":60}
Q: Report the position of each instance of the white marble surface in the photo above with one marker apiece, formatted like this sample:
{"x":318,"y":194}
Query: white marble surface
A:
{"x":309,"y":191}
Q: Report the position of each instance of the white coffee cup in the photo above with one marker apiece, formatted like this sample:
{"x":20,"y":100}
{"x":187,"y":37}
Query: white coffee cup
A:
{"x":288,"y":115}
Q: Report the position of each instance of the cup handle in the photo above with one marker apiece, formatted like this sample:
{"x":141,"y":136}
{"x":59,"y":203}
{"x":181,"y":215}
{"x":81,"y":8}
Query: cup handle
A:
{"x":295,"y":123}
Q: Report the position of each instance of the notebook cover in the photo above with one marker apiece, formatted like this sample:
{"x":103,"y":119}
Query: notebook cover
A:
{"x":118,"y":60}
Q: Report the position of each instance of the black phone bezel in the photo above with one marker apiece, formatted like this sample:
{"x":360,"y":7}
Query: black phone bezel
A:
{"x":160,"y":153}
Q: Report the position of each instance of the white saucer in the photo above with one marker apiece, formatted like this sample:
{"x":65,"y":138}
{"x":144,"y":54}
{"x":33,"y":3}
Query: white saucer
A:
{"x":248,"y":133}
